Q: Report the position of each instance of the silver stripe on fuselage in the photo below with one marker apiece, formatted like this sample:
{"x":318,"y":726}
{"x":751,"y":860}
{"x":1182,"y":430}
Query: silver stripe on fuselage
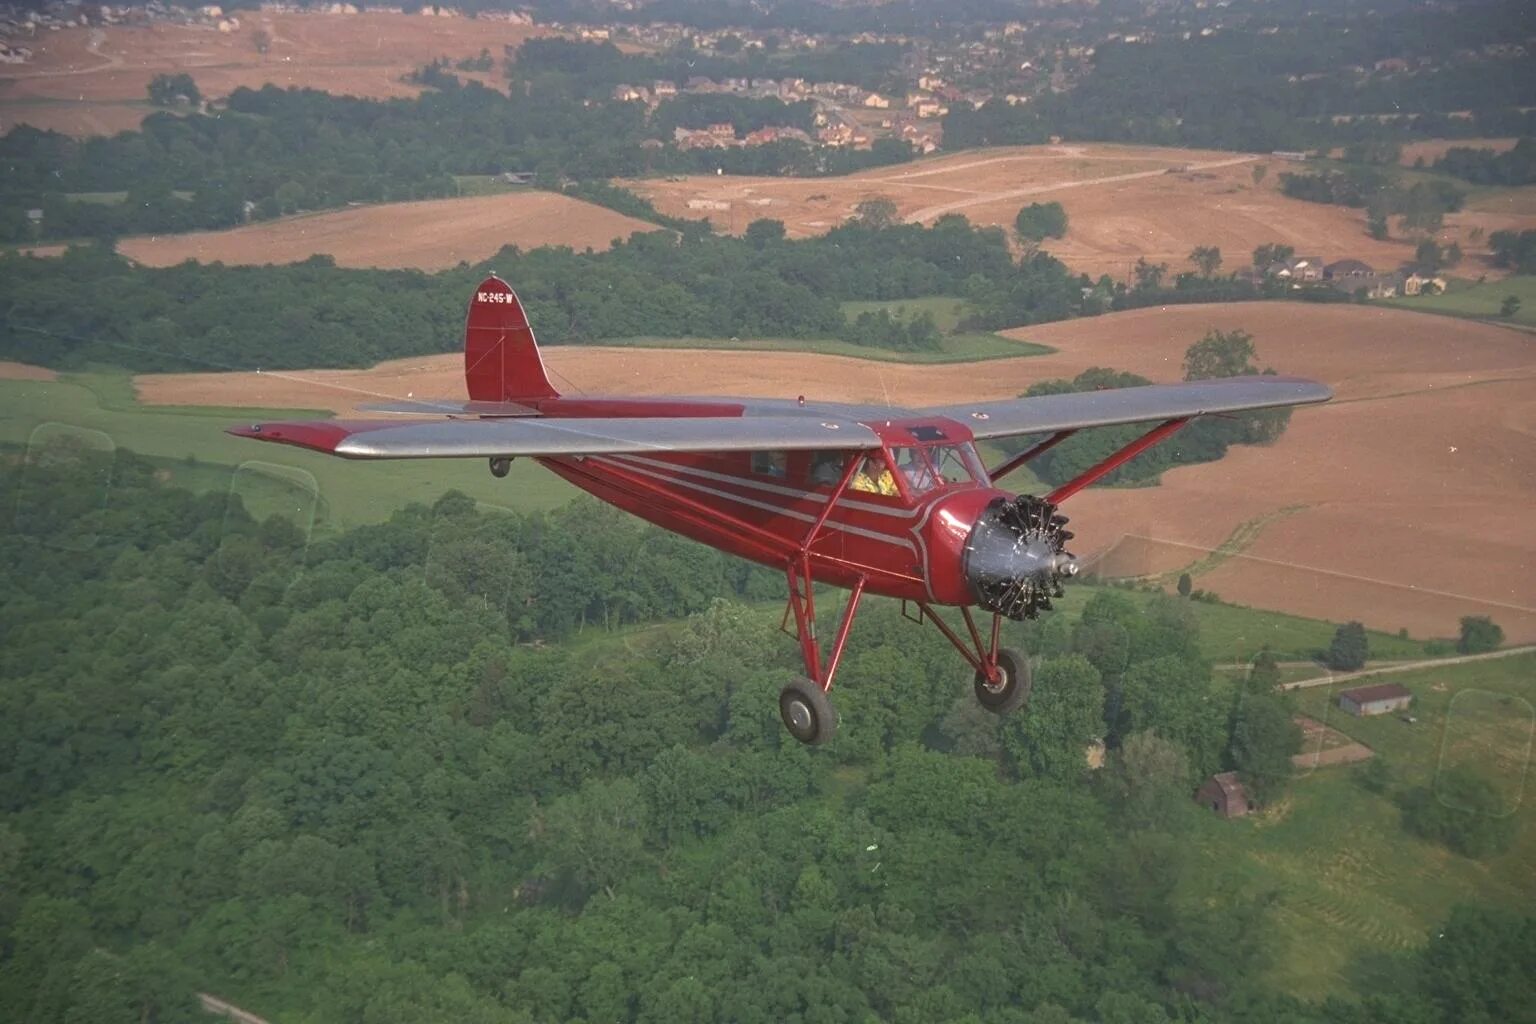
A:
{"x":761,"y":485}
{"x":673,"y":481}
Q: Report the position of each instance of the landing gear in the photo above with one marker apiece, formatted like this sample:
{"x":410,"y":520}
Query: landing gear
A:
{"x":807,"y":713}
{"x":803,"y":704}
{"x":1009,"y":690}
{"x":501,"y":465}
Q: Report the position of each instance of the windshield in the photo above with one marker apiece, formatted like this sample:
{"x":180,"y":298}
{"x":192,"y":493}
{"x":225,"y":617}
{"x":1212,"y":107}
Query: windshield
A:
{"x":927,"y":467}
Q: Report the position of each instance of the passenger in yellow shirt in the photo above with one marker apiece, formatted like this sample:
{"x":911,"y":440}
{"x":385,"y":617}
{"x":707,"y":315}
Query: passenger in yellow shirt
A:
{"x":874,"y":477}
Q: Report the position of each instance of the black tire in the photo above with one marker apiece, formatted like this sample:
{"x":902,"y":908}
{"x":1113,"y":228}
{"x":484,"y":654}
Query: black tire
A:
{"x":807,"y":713}
{"x":1012,"y":692}
{"x":500,"y":466}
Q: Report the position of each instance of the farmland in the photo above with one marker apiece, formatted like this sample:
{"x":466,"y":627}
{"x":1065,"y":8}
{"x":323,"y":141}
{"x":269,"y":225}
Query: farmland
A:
{"x":428,"y":235}
{"x":93,"y":81}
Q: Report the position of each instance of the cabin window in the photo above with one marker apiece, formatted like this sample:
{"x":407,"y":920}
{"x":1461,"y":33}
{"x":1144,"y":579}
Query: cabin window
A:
{"x":774,"y":464}
{"x":826,"y":468}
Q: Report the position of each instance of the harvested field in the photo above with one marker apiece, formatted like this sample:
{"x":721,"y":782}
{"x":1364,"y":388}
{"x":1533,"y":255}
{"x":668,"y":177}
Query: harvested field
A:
{"x":1322,"y":745}
{"x":91,"y":80}
{"x":429,"y":235}
{"x":25,"y":371}
{"x":1123,"y":203}
{"x":1431,"y":150}
{"x":1410,"y":494}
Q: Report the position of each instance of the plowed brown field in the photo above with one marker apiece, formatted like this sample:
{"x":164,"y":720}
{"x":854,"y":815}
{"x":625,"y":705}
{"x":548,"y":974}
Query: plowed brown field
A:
{"x":429,"y":235}
{"x":94,"y":80}
{"x":1123,"y":203}
{"x":1408,"y":497}
{"x":24,"y":371}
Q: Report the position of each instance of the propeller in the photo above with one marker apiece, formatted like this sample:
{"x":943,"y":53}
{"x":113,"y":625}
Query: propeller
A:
{"x":1016,"y":557}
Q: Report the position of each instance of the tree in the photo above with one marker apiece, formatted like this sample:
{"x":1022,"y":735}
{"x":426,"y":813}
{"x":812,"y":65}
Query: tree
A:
{"x":1349,"y":649}
{"x":1463,"y":810}
{"x":1264,"y":738}
{"x":168,"y":90}
{"x":1066,"y":714}
{"x":1267,"y":255}
{"x":1150,"y":778}
{"x":1429,"y":258}
{"x":1376,"y":224}
{"x":1220,"y":354}
{"x":1149,"y":276}
{"x":596,"y":834}
{"x":876,"y":212}
{"x":1258,"y":172}
{"x":1186,"y":585}
{"x":1207,"y":258}
{"x":1263,"y":674}
{"x":764,"y":232}
{"x":261,"y":39}
{"x":1479,"y":633}
{"x":1510,"y":306}
{"x":1477,"y":967}
{"x":1039,"y":221}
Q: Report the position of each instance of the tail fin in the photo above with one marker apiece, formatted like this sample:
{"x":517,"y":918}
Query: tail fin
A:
{"x":501,"y":359}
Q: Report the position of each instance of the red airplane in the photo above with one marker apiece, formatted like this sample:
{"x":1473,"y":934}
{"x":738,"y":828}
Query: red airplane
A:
{"x":871,"y":499}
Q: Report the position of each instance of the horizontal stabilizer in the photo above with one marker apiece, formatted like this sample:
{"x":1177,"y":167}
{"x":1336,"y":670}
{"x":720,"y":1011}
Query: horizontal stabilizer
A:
{"x":486,"y":438}
{"x":1081,"y":410}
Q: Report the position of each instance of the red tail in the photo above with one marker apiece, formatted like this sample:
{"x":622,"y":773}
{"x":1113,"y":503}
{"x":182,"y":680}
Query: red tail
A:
{"x":501,"y":359}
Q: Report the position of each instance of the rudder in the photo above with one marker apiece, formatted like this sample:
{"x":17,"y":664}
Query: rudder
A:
{"x":501,"y":357}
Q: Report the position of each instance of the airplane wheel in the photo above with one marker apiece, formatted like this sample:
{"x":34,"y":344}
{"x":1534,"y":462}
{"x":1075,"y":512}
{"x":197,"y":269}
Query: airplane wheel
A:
{"x":1011,"y":692}
{"x":807,"y":713}
{"x":500,"y":467}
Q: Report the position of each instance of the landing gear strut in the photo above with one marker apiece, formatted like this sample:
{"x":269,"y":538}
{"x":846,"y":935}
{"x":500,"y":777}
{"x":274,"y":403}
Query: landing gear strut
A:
{"x":1003,"y":677}
{"x":803,"y":704}
{"x":501,"y":465}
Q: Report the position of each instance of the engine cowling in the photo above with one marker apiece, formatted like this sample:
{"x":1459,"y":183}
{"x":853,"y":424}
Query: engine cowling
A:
{"x":1015,"y":557}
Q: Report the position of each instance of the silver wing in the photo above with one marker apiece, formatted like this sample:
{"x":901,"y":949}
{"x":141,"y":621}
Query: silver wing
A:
{"x":485,"y":438}
{"x":1080,"y":410}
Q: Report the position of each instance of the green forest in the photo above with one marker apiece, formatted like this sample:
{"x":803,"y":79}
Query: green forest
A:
{"x":313,"y":313}
{"x":401,"y":774}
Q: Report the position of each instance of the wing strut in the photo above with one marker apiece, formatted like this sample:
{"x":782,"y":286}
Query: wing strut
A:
{"x":1157,"y":434}
{"x":1027,"y":454}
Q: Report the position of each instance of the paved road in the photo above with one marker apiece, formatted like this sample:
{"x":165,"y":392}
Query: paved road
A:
{"x":1406,"y":666}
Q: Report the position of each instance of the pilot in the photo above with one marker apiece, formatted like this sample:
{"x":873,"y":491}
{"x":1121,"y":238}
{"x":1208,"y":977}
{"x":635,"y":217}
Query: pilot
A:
{"x":875,"y":477}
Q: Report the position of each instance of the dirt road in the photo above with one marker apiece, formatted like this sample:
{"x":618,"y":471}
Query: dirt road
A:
{"x":1406,"y":666}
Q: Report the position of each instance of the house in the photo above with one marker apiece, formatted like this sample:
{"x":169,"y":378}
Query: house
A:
{"x":1418,"y":284}
{"x":628,"y":93}
{"x":1381,"y":699}
{"x":1353,"y":277}
{"x":1347,"y":268}
{"x":1224,"y":794}
{"x":1305,"y":268}
{"x":876,"y":101}
{"x":663,"y":89}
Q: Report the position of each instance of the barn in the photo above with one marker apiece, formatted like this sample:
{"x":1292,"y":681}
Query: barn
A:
{"x":1224,"y":794}
{"x":1381,"y":699}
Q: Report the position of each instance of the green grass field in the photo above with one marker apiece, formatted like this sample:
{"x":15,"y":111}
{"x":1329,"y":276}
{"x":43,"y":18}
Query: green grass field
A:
{"x":190,"y":445}
{"x":486,"y":185}
{"x":1470,"y":299}
{"x":1354,"y":890}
